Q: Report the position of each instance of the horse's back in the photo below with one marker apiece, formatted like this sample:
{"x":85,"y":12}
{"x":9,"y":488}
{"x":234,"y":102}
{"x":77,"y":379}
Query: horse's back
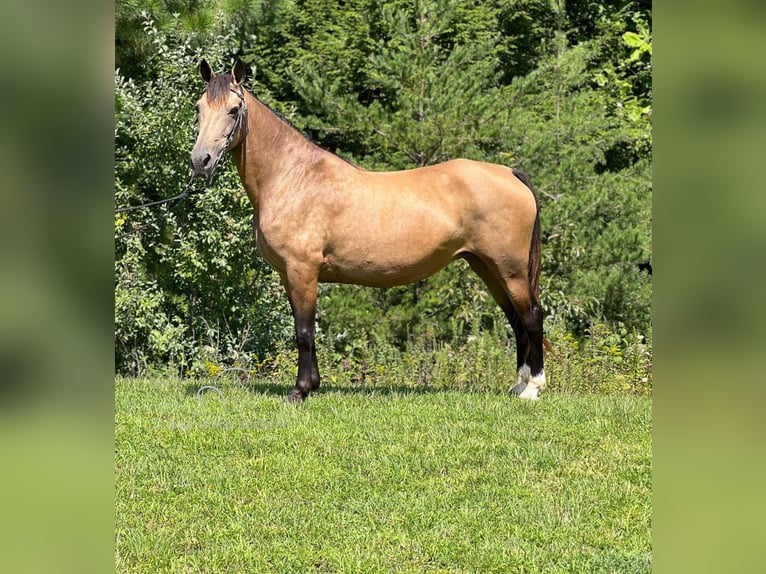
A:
{"x":488,"y":195}
{"x":458,"y":180}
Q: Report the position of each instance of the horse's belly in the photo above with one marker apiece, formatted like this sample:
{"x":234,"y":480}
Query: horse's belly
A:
{"x":372,"y":277}
{"x":386,"y":269}
{"x":392,"y":247}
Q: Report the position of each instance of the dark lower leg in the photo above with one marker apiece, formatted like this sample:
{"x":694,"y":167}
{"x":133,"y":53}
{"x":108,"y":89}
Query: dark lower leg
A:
{"x":302,"y":293}
{"x":522,"y":350}
{"x":314,"y":368}
{"x":533,"y":323}
{"x":528,"y":327}
{"x":308,"y":371}
{"x":497,"y":289}
{"x":522,"y":341}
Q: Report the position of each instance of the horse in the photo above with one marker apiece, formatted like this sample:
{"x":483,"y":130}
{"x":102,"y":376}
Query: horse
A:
{"x":319,"y":218}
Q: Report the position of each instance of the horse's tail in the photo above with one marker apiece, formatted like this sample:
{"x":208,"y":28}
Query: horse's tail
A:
{"x":535,"y":248}
{"x":535,"y":245}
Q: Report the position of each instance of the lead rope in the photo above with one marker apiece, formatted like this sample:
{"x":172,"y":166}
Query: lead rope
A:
{"x":181,"y":195}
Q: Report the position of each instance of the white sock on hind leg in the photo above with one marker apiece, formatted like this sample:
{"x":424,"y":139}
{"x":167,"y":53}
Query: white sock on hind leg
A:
{"x":534,"y":385}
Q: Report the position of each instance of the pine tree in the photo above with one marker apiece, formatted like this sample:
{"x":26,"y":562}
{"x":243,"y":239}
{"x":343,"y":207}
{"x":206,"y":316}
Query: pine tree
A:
{"x":587,"y":148}
{"x":427,"y":95}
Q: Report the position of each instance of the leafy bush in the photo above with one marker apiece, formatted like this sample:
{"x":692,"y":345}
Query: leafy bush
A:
{"x":605,"y":361}
{"x":189,"y":288}
{"x":595,"y":203}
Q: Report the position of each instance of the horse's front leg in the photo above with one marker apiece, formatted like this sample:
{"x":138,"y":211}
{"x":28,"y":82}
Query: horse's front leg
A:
{"x":301,"y":287}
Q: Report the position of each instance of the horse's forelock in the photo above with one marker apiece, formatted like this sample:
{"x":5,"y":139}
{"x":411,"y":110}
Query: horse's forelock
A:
{"x":218,"y":89}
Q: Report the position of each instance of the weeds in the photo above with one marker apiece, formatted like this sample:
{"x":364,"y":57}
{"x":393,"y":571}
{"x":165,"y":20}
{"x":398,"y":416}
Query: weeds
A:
{"x":603,"y":362}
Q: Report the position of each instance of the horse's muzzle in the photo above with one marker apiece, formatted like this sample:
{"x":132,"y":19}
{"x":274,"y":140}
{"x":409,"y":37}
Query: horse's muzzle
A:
{"x":202,"y":163}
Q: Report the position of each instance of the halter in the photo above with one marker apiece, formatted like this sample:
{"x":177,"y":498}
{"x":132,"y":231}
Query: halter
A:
{"x":241,"y":115}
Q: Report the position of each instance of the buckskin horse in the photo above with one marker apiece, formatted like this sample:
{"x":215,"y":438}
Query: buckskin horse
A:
{"x":318,"y":218}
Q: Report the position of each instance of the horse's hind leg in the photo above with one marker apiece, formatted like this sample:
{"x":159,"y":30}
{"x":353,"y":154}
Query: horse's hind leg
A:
{"x":498,"y":291}
{"x":531,"y":373}
{"x":301,"y":290}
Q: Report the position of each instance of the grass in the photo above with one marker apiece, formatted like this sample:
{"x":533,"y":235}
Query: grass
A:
{"x":379,"y":479}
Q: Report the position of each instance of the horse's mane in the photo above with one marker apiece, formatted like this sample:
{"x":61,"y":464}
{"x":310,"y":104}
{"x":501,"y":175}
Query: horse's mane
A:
{"x":305,"y":136}
{"x":282,"y":117}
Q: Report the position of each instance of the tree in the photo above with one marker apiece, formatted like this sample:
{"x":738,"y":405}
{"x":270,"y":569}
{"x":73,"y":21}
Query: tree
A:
{"x":426,"y":94}
{"x":589,"y":150}
{"x":193,"y":19}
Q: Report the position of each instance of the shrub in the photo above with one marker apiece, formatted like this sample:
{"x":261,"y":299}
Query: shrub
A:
{"x":189,"y":287}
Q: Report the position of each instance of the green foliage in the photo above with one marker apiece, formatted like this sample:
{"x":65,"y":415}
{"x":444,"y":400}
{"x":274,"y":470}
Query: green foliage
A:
{"x":188,"y":287}
{"x":604,"y":361}
{"x":144,"y":334}
{"x":447,"y":308}
{"x":135,"y":49}
{"x":589,"y":161}
{"x":405,"y":109}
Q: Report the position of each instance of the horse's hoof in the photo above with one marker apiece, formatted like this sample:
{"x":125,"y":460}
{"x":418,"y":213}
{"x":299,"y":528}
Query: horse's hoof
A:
{"x":518,"y":388}
{"x":526,"y":391}
{"x":295,"y":397}
{"x":530,"y":393}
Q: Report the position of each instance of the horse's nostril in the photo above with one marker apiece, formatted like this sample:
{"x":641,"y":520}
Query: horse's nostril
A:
{"x":201,"y":162}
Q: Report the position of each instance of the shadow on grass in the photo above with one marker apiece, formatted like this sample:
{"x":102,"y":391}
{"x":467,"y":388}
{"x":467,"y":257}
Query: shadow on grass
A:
{"x":269,"y":388}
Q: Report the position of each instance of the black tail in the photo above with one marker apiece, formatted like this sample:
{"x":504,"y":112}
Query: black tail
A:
{"x":535,"y":249}
{"x":535,"y":245}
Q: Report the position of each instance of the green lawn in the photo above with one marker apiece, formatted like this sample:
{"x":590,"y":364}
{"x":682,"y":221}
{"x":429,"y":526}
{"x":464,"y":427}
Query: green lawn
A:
{"x":379,"y":480}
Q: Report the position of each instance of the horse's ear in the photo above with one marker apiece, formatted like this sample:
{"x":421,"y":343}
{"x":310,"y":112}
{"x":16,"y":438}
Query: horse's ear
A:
{"x":238,"y":71}
{"x":206,"y":71}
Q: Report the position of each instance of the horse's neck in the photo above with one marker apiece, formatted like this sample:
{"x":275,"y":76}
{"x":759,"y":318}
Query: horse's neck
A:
{"x":272,"y":154}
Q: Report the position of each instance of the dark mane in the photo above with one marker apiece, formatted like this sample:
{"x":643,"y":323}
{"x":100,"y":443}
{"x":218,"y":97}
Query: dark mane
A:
{"x":218,"y":88}
{"x":293,"y":126}
{"x":284,"y":119}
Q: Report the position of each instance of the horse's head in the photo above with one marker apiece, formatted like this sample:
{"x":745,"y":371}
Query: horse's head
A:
{"x":221,"y":117}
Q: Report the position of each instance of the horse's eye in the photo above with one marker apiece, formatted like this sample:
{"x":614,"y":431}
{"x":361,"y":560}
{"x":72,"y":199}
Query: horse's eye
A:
{"x":233,"y":111}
